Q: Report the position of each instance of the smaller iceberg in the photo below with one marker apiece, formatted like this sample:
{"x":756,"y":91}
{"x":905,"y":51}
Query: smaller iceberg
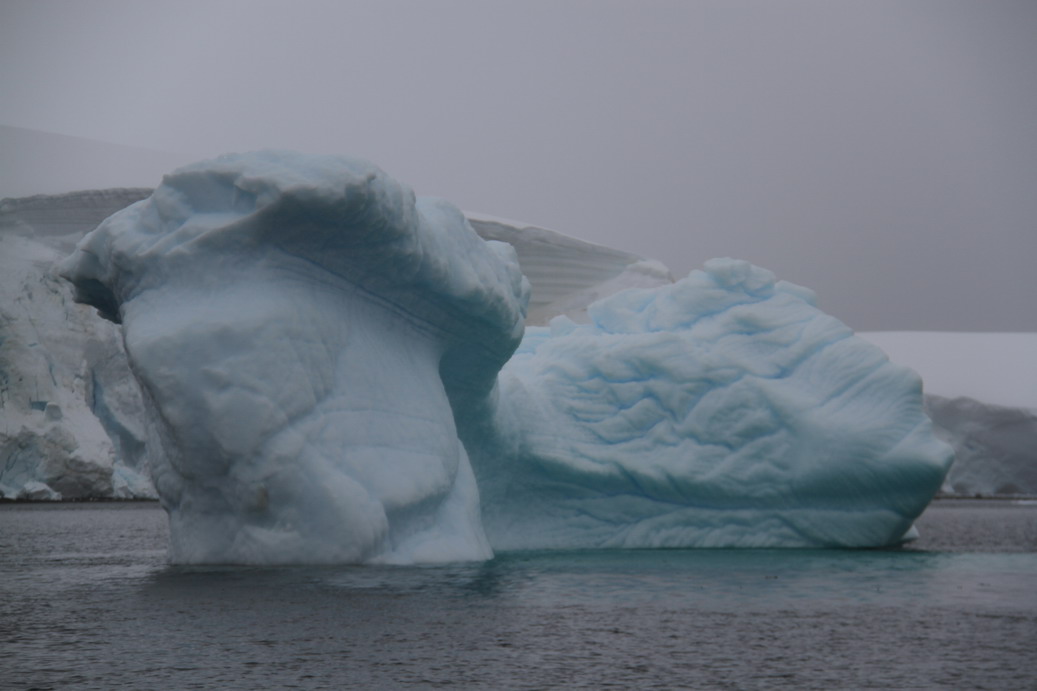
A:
{"x":724,"y":410}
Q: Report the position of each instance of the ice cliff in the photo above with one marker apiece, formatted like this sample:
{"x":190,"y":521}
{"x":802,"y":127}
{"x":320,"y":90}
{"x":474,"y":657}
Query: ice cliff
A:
{"x":69,"y":408}
{"x":327,"y":366}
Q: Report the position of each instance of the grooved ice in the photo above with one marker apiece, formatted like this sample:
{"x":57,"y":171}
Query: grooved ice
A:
{"x":722,"y":410}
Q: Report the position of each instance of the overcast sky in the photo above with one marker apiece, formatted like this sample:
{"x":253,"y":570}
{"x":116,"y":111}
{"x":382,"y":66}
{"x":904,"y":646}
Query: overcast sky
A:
{"x":882,"y":153}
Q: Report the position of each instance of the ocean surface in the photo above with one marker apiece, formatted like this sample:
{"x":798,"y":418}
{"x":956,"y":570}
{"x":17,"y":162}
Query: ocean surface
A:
{"x":87,"y":601}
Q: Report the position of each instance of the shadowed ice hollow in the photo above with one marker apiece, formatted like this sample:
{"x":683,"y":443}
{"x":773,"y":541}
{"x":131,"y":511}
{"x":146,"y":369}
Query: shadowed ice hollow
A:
{"x":325,"y":364}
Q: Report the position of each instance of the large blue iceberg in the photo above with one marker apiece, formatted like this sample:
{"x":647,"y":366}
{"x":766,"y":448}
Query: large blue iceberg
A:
{"x":337,"y":371}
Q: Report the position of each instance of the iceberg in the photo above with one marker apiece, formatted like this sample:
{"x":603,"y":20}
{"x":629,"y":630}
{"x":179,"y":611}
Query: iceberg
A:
{"x":335,"y":370}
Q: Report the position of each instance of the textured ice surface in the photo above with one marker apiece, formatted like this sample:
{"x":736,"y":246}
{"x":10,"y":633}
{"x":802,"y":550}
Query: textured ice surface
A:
{"x":567,"y":274}
{"x":724,"y":410}
{"x":303,"y":328}
{"x":321,"y":355}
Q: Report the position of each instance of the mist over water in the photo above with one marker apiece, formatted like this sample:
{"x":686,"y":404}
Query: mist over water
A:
{"x":88,"y":601}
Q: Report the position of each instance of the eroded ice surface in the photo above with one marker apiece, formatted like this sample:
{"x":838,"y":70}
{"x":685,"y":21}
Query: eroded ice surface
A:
{"x":322,"y":357}
{"x":981,"y":394}
{"x":723,"y":410}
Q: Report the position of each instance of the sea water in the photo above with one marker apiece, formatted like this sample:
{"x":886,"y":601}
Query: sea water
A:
{"x":87,"y":601}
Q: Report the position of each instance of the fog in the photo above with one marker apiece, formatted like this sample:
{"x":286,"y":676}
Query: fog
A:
{"x":883,"y":153}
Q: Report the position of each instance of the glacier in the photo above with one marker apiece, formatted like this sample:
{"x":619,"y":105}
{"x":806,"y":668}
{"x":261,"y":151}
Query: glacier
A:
{"x":335,"y":370}
{"x":69,"y":421}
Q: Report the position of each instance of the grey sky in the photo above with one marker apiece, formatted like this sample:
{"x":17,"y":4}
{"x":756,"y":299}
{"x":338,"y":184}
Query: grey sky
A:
{"x":883,"y":153}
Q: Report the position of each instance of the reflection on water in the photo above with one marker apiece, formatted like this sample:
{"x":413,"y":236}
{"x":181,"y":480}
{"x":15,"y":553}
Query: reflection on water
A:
{"x":708,"y":579}
{"x":87,"y":601}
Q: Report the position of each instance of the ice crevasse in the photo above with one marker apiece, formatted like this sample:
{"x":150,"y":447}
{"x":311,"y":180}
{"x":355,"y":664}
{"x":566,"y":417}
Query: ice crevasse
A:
{"x":338,"y":371}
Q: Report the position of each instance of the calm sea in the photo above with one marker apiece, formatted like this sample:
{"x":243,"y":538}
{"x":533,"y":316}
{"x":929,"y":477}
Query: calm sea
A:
{"x":87,"y":601}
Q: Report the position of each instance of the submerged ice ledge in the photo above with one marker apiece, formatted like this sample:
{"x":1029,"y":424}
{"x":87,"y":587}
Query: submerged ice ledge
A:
{"x":328,"y":370}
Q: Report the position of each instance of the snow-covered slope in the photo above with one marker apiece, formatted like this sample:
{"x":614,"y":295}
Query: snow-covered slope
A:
{"x":567,"y":274}
{"x":319,"y":353}
{"x":36,"y":162}
{"x":69,"y":406}
{"x":981,"y":393}
{"x":60,"y":219}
